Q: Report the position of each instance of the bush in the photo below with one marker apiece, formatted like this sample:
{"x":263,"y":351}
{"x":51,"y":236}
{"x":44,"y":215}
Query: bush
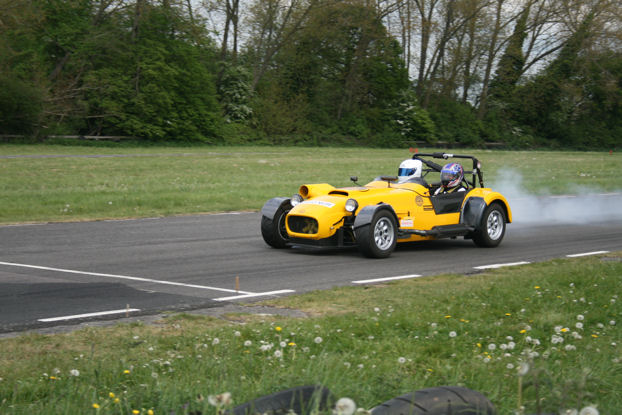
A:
{"x":21,"y":106}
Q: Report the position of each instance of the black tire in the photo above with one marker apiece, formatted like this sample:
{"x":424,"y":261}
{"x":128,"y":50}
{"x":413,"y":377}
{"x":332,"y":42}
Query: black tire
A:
{"x":378,"y":239}
{"x":491,"y":228}
{"x":273,"y":229}
{"x":301,"y":400}
{"x":442,"y":400}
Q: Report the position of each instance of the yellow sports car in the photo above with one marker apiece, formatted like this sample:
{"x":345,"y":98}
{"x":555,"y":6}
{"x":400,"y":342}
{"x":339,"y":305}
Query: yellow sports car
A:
{"x":391,"y":209}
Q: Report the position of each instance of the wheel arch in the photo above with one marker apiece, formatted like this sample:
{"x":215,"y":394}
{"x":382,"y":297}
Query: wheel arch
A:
{"x":474,"y":207}
{"x":270,"y":208}
{"x":366,"y":214}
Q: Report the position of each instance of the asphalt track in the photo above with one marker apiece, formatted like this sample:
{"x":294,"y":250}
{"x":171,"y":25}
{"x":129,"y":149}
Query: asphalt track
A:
{"x":63,"y":273}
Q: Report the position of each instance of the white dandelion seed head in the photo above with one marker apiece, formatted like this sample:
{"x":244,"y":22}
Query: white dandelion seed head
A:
{"x":283,"y":344}
{"x":612,"y":323}
{"x":237,"y":334}
{"x":568,"y":412}
{"x":511,"y":345}
{"x":317,"y":340}
{"x":345,"y":406}
{"x":74,"y":372}
{"x":222,"y":399}
{"x":523,"y":369}
{"x":215,"y":341}
{"x":589,"y":410}
{"x":247,"y":343}
{"x":579,"y":325}
{"x":401,"y":360}
{"x":492,"y":346}
{"x":570,"y":347}
{"x":509,"y":366}
{"x":278,"y":354}
{"x":452,"y":334}
{"x":555,"y":339}
{"x":580,"y":317}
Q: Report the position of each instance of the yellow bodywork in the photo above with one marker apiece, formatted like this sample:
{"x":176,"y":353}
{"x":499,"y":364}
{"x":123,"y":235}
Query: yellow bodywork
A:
{"x":410,"y":201}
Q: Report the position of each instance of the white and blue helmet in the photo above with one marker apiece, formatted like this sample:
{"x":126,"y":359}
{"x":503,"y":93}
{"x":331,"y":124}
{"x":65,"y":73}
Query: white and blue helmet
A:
{"x":409,"y":169}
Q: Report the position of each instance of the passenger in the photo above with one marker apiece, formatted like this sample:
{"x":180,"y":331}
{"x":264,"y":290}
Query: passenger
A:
{"x":410,"y":171}
{"x":452,"y":176}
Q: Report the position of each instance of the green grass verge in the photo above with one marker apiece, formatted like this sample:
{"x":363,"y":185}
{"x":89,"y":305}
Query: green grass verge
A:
{"x":158,"y":181}
{"x":561,"y":318}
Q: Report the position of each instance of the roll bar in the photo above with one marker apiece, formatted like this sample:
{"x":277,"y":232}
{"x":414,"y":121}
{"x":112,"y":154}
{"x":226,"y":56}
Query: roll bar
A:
{"x":477,"y":167}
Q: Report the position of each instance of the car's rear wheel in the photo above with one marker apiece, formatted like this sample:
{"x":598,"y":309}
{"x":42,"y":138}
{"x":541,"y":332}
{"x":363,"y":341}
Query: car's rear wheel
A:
{"x":273,"y":229}
{"x":491,"y":228}
{"x":378,"y":239}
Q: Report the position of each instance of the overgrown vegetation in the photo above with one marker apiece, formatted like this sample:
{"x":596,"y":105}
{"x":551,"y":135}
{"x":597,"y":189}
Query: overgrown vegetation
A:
{"x":385,"y":74}
{"x":540,"y":338}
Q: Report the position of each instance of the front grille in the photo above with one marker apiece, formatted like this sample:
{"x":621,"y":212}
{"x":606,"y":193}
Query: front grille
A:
{"x":302,"y":224}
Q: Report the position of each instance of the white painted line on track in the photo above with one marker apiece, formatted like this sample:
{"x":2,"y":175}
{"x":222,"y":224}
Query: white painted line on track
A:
{"x":587,"y":254}
{"x":401,"y":277}
{"x":124,"y":277}
{"x":101,"y":313}
{"x":239,"y":297}
{"x":495,"y":266}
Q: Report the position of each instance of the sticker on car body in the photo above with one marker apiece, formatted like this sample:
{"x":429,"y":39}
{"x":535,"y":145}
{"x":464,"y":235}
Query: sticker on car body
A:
{"x":318,"y":202}
{"x":406,"y":223}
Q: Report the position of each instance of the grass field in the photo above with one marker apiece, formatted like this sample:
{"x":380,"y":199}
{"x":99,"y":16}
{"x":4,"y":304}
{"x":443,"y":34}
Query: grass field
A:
{"x":62,"y":183}
{"x":558,"y":320}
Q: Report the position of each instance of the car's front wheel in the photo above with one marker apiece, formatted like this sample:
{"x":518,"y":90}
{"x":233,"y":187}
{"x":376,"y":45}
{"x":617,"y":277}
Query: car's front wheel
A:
{"x":378,"y":239}
{"x":492,"y":227}
{"x":273,"y":229}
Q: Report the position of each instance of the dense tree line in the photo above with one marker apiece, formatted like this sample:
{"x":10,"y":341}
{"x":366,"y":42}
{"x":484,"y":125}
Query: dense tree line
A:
{"x":379,"y":72}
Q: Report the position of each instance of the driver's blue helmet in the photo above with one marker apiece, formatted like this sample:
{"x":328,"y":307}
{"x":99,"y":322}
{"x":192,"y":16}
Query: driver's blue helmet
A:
{"x":451,"y":175}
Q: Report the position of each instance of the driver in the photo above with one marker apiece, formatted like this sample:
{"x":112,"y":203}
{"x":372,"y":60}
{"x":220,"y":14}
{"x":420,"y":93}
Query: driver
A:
{"x":451,"y":179}
{"x":409,"y":171}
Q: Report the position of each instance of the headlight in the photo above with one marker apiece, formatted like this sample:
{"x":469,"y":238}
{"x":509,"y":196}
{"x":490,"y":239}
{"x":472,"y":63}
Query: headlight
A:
{"x":351,"y":205}
{"x":296,"y":199}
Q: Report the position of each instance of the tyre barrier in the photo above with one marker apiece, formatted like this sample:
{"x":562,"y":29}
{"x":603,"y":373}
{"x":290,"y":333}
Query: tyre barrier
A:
{"x":300,"y":400}
{"x":440,"y":400}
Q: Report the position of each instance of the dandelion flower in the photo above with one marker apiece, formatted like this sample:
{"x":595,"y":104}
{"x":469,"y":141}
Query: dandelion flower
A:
{"x":221,"y":399}
{"x":278,"y":328}
{"x":111,"y":395}
{"x":345,"y":406}
{"x":135,"y":411}
{"x":523,"y":369}
{"x":150,"y":412}
{"x":588,"y":410}
{"x":95,"y":406}
{"x":317,"y":340}
{"x":126,"y":372}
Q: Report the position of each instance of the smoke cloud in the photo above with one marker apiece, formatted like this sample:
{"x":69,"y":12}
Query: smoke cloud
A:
{"x":580,"y":206}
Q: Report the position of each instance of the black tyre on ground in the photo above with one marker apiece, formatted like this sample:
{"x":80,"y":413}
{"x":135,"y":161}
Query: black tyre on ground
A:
{"x":378,"y":239}
{"x":300,"y":400}
{"x":491,"y":228}
{"x":442,"y":400}
{"x":273,"y":229}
